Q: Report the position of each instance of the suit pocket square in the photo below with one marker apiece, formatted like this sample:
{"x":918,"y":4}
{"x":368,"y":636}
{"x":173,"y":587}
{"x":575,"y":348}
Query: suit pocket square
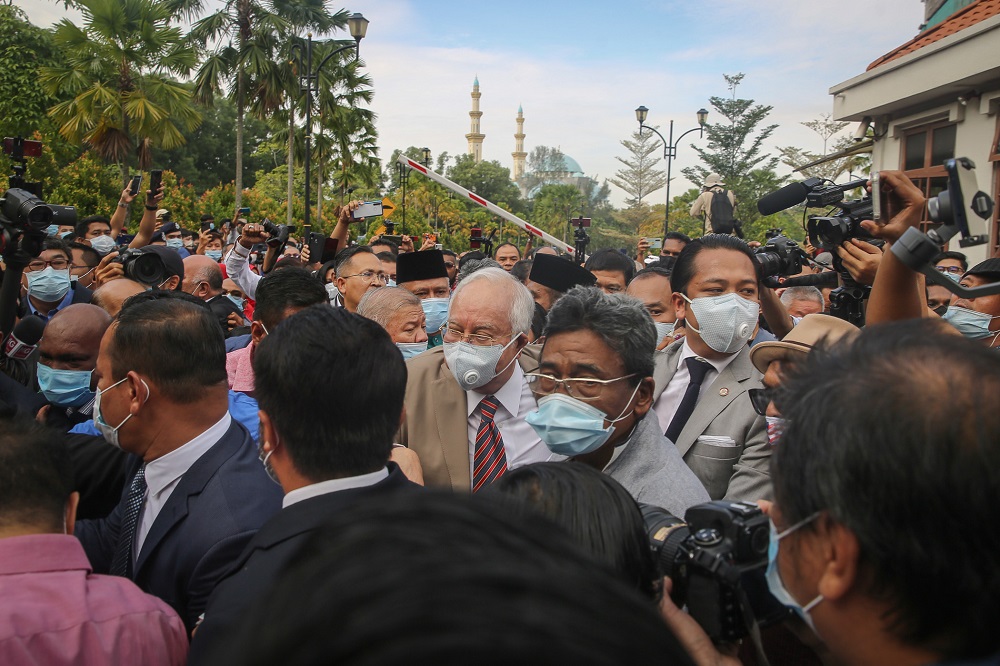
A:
{"x":717,"y":440}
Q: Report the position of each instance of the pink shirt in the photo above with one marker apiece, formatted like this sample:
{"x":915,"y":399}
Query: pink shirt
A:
{"x":53,"y":610}
{"x":240,"y":369}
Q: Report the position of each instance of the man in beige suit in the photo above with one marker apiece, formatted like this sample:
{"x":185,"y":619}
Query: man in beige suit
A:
{"x":466,"y":401}
{"x":702,"y":379}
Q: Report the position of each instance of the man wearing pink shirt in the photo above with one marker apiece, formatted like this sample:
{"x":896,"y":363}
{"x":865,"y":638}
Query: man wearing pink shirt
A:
{"x":54,"y":610}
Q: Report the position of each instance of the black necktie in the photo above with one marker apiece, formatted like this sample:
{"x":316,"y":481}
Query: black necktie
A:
{"x":121,"y":564}
{"x":697,"y":368}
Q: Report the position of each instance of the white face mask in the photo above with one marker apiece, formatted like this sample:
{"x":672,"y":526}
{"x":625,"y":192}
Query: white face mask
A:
{"x":110,"y":433}
{"x":727,"y":322}
{"x":103,"y":244}
{"x":474,"y":366}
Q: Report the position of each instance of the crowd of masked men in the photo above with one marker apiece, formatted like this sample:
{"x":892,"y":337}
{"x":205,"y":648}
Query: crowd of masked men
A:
{"x":247,"y":456}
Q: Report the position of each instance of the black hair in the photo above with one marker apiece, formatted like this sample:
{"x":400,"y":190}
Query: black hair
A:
{"x":83,"y":225}
{"x":387,"y":241}
{"x":475,"y":584}
{"x":449,"y":252}
{"x":91,"y":256}
{"x":521,"y":270}
{"x":58,"y":244}
{"x":866,"y":427}
{"x":612,"y":261}
{"x":677,"y":236}
{"x":620,"y":321}
{"x":386,"y":256}
{"x":957,"y":256}
{"x":36,"y":475}
{"x":349,"y":253}
{"x":287,"y":262}
{"x":653,"y":269}
{"x":173,"y":339}
{"x":538,"y":321}
{"x":326,"y":268}
{"x":685,"y":267}
{"x":497,"y":249}
{"x":331,"y":435}
{"x":288,"y":288}
{"x":596,"y":511}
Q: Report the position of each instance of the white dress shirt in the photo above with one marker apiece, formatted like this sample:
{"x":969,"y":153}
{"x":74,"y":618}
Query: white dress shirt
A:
{"x":333,"y":485}
{"x":164,"y":473}
{"x":673,"y":393}
{"x":521,"y":444}
{"x":238,"y":270}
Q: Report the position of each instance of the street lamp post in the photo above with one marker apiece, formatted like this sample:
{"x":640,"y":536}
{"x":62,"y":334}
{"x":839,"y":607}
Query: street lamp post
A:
{"x":358,"y":26}
{"x":670,"y":148}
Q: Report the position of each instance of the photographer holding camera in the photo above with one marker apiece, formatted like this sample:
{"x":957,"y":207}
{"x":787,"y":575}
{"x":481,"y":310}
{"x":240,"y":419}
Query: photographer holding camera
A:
{"x":880,"y":581}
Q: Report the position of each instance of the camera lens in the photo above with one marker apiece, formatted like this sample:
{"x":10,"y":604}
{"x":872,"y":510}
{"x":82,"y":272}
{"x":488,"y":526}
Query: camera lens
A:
{"x":667,"y":534}
{"x":26,"y":210}
{"x":770,"y":262}
{"x":145,"y":268}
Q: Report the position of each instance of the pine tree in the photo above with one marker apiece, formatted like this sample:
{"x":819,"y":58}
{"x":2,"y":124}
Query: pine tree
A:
{"x":640,"y":177}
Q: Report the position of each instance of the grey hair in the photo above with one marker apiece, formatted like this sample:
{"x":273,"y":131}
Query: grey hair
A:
{"x":802,"y":294}
{"x":473,"y":265}
{"x":381,"y":304}
{"x":620,"y":321}
{"x":522,"y":305}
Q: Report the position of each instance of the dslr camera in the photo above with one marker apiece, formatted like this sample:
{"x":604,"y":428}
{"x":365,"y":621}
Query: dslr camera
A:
{"x":143,"y":266}
{"x":780,"y":256}
{"x":716,"y":558}
{"x":279,"y":232}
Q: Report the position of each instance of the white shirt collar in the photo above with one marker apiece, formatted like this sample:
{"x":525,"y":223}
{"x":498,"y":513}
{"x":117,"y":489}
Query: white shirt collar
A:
{"x":509,"y":394}
{"x":719,"y":365}
{"x":333,"y":485}
{"x":165,"y":470}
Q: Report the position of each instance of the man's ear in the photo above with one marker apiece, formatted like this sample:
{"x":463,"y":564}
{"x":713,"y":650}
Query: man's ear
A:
{"x":256,"y":332}
{"x":644,"y":397}
{"x":341,"y":285}
{"x":139,"y":391}
{"x":680,"y":305}
{"x":268,"y":435}
{"x":841,"y":553}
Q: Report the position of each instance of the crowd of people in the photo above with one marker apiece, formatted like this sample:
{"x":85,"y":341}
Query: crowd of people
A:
{"x":224,"y":449}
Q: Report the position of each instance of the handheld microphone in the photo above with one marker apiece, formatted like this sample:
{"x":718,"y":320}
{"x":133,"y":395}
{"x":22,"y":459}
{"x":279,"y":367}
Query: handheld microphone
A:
{"x":24,"y":338}
{"x":790,"y":195}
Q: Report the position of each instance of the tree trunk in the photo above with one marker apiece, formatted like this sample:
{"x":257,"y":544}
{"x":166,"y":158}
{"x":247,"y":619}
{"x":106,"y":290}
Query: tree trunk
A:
{"x":291,"y":158}
{"x":239,"y":139}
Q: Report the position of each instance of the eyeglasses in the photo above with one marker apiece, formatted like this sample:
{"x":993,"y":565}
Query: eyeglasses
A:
{"x":58,"y":264}
{"x":449,"y":264}
{"x":581,"y":388}
{"x":953,"y":270}
{"x":370,"y":277}
{"x":452,"y":334}
{"x":761,"y":398}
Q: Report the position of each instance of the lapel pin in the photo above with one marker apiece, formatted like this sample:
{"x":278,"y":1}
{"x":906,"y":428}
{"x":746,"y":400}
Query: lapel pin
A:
{"x":723,"y":392}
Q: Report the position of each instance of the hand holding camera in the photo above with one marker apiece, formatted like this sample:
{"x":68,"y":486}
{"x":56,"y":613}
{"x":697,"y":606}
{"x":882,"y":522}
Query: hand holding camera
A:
{"x":901,"y":197}
{"x":108,"y":269}
{"x":253,"y":234}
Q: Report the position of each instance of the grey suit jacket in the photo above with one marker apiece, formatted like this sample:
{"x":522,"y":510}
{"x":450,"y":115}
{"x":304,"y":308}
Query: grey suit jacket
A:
{"x":741,"y":472}
{"x":653,"y":472}
{"x":436,"y":420}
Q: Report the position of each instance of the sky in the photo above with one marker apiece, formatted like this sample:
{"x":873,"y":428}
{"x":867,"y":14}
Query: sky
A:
{"x":579,"y":69}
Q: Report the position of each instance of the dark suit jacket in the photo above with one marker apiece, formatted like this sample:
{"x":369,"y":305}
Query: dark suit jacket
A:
{"x":268,"y":555}
{"x":217,"y":507}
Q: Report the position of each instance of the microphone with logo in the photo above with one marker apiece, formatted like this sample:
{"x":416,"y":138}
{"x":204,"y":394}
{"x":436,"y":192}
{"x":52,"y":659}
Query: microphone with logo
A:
{"x":19,"y":345}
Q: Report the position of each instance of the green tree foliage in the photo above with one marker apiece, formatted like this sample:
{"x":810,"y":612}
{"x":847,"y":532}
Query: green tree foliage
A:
{"x":23,"y":48}
{"x":88,"y":183}
{"x":488,"y":179}
{"x":640,"y":177}
{"x":735,"y":150}
{"x":553,"y":207}
{"x":115,"y":72}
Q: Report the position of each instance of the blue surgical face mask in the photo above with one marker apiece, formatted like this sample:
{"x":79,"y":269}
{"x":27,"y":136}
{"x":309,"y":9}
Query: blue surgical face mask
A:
{"x":773,"y":576}
{"x":663,"y":330}
{"x":390,"y":283}
{"x":436,"y":312}
{"x":727,"y":322}
{"x":176,"y":243}
{"x":52,"y":230}
{"x":411,"y":349}
{"x":109,"y":432}
{"x":973,"y":325}
{"x":65,"y":388}
{"x":49,"y":285}
{"x":214,"y":254}
{"x":571,"y":427}
{"x":238,"y":302}
{"x":103,"y":244}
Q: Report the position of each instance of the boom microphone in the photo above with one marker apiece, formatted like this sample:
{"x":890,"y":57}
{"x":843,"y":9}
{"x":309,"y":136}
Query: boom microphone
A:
{"x":787,"y":196}
{"x":24,"y":338}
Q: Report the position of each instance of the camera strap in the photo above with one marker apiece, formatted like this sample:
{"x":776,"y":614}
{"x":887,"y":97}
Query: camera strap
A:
{"x":753,"y":627}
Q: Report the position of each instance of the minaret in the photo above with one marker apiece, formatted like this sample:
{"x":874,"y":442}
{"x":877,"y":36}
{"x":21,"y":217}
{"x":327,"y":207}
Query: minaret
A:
{"x":476,"y":137}
{"x":519,"y":155}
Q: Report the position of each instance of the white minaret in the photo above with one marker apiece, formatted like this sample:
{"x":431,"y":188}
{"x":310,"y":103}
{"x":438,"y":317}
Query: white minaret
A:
{"x":476,"y":137}
{"x":519,"y":155}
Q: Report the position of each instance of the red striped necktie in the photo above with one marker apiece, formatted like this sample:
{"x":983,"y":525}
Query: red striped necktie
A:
{"x":490,"y":461}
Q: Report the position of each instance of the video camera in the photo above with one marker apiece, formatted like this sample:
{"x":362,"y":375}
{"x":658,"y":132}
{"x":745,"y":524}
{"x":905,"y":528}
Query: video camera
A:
{"x":716,"y":558}
{"x":279,"y":232}
{"x":580,"y":238}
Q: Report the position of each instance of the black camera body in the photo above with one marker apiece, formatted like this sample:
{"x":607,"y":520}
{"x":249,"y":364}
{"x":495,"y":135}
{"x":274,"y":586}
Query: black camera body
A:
{"x":716,"y":559}
{"x":143,"y":266}
{"x":279,"y":232}
{"x":780,"y":256}
{"x":830,"y":231}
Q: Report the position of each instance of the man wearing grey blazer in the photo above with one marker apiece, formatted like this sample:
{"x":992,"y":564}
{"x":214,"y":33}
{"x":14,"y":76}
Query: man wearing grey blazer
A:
{"x":702,"y":380}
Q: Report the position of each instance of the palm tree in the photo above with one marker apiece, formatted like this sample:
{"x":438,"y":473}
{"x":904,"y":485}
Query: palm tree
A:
{"x":246,"y":54}
{"x":116,"y":80}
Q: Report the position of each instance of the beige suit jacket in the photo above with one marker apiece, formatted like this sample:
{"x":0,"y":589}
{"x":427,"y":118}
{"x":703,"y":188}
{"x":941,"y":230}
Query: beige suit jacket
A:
{"x":436,"y":421}
{"x":740,"y":472}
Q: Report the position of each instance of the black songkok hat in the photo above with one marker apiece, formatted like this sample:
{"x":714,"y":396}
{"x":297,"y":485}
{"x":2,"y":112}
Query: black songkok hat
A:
{"x":560,"y":274}
{"x":426,"y":265}
{"x":989,"y":268}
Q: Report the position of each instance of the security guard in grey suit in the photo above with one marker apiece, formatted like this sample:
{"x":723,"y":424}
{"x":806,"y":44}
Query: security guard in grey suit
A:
{"x":702,"y":380}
